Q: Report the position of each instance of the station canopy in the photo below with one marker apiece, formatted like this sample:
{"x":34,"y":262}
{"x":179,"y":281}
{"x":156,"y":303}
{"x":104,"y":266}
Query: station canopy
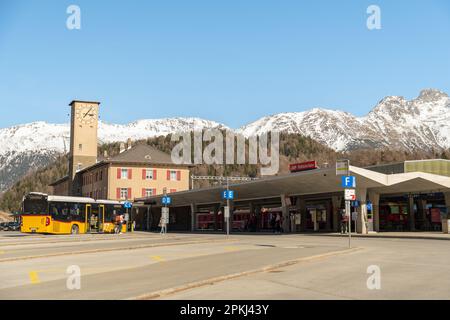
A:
{"x":319,"y":181}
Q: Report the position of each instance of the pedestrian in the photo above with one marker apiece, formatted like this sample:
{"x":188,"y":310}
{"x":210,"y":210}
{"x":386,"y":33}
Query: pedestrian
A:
{"x":163,"y":225}
{"x":278,"y":223}
{"x":119,"y":223}
{"x":344,"y":222}
{"x":273,"y":223}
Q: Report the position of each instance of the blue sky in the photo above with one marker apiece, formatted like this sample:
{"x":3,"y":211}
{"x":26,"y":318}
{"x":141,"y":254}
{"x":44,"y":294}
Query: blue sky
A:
{"x":230,"y":61}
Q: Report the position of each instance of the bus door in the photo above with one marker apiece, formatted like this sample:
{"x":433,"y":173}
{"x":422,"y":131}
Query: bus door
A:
{"x":94,"y":219}
{"x":88,"y":217}
{"x":101,"y":218}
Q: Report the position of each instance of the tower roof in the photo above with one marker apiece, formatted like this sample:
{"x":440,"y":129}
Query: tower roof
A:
{"x":83,"y":101}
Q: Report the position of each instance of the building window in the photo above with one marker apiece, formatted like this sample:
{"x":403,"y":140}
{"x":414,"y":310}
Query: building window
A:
{"x":149,"y":193}
{"x":173,"y":175}
{"x":123,"y":193}
{"x":124,"y":174}
{"x":150,"y":174}
{"x":80,"y":147}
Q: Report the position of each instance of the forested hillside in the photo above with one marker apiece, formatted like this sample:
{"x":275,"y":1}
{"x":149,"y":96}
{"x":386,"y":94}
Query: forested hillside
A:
{"x":293,"y":148}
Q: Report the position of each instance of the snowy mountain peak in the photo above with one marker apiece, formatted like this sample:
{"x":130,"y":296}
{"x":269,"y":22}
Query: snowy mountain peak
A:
{"x":395,"y":122}
{"x":430,"y":95}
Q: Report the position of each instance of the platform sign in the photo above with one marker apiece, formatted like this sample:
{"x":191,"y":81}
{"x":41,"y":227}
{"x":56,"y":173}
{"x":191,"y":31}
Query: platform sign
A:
{"x":127,"y":205}
{"x":350,"y":194}
{"x":303,"y":166}
{"x":342,"y":167}
{"x":348,"y":182}
{"x":165,"y":215}
{"x":228,"y":194}
{"x":369,"y":206}
{"x":166,"y":200}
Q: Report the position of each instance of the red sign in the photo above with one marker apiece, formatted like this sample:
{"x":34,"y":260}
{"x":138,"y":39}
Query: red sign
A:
{"x":303,"y":166}
{"x":435,"y":215}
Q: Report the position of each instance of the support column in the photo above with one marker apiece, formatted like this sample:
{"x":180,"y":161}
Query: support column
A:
{"x":375,"y":200}
{"x":257,"y":209}
{"x":251,"y":208}
{"x":447,"y":203}
{"x":231,"y":216}
{"x":285,"y":213}
{"x":336,"y":203}
{"x":361,"y":223}
{"x":421,"y":208}
{"x":445,"y":225}
{"x":412,"y":217}
{"x":216,"y":217}
{"x":193,"y":211}
{"x":301,"y":205}
{"x":329,"y":208}
{"x":149,"y":212}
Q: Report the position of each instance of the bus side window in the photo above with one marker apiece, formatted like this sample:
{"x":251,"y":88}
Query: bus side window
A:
{"x":54,"y":210}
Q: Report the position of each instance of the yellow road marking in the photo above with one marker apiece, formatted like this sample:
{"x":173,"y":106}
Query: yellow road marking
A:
{"x":34,"y":277}
{"x":157,"y":258}
{"x":231,"y":248}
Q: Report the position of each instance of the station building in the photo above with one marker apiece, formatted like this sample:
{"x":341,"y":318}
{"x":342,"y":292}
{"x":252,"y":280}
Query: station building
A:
{"x":137,"y":171}
{"x":407,"y":196}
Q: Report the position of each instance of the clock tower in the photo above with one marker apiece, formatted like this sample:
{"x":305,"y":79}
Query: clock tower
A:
{"x":83,"y":140}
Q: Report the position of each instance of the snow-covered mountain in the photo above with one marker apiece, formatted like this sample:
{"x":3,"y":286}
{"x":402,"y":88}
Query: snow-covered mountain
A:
{"x":422,"y":123}
{"x":27,"y":147}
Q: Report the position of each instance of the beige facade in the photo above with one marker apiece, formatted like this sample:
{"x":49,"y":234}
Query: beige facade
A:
{"x":83,"y":139}
{"x":145,"y":181}
{"x":129,"y":181}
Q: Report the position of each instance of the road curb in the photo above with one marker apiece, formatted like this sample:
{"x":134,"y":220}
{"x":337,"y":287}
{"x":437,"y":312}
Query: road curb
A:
{"x":114,"y":249}
{"x":197,"y":284}
{"x":375,"y":236}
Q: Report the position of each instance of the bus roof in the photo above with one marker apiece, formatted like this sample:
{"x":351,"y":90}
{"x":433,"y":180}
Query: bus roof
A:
{"x":108,"y":202}
{"x":72,"y":199}
{"x":61,"y":198}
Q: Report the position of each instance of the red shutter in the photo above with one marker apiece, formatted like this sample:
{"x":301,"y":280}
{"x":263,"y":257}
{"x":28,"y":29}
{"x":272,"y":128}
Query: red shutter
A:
{"x":168,"y":174}
{"x":118,"y":194}
{"x":154,"y":174}
{"x":178,"y":175}
{"x":144,"y":174}
{"x":143,"y":192}
{"x":154,"y":192}
{"x":130,"y":174}
{"x":129,"y":194}
{"x":119,"y":175}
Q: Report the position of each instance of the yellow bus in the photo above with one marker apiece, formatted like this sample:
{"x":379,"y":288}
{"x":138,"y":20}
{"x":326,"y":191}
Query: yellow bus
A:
{"x":42,"y":213}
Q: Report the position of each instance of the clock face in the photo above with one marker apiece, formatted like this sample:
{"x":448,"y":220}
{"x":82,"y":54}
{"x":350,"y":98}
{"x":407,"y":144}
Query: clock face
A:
{"x":86,"y":115}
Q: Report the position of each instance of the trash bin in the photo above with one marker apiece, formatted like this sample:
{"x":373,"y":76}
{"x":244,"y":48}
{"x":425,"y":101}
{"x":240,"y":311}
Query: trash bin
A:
{"x":446,"y":225}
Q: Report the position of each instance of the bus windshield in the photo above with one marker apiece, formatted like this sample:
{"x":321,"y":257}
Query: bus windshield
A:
{"x":35,"y":206}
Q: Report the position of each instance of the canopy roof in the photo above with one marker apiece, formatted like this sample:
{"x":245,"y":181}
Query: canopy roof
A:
{"x":318,"y":181}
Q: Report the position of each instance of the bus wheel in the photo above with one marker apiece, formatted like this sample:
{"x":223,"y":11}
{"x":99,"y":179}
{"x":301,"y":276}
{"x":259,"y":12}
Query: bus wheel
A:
{"x":75,"y":229}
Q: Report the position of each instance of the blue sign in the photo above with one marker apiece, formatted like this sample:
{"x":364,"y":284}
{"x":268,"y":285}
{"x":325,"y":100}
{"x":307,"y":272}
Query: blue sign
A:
{"x":348,"y":182}
{"x":166,"y":200}
{"x":127,"y":205}
{"x":355,"y":204}
{"x":228,"y":194}
{"x":369,"y":206}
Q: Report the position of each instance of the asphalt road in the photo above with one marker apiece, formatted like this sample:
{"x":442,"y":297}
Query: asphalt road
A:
{"x":195,"y":266}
